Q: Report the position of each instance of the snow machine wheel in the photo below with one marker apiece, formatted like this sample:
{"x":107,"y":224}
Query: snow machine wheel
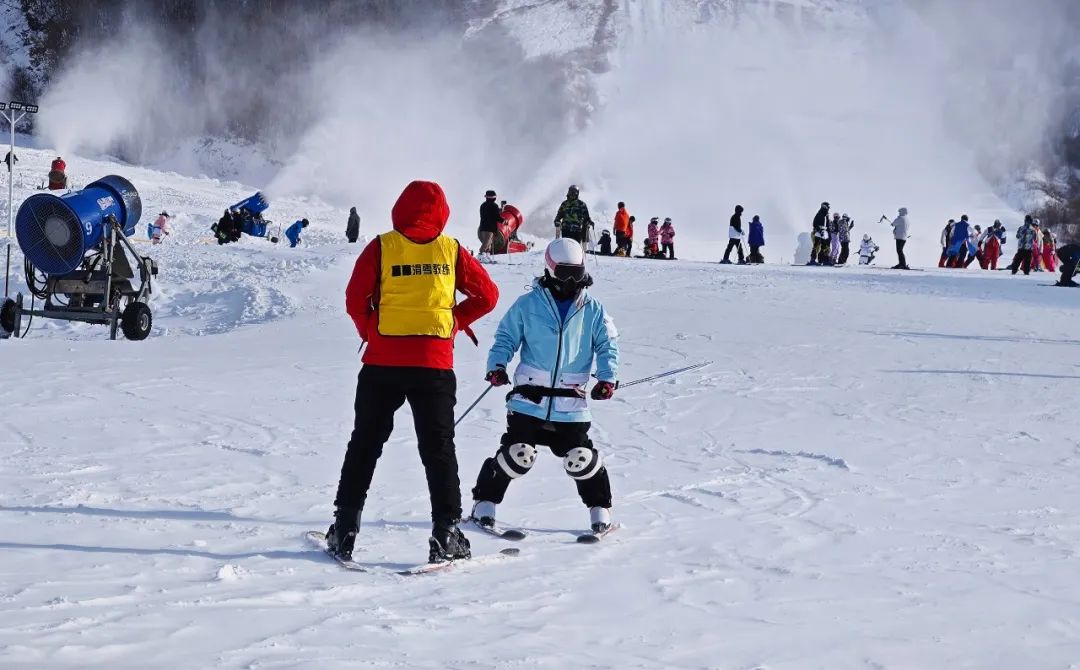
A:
{"x":7,"y":316}
{"x":136,"y":321}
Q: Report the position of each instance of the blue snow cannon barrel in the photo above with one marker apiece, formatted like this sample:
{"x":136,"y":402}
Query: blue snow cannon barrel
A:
{"x":55,"y":232}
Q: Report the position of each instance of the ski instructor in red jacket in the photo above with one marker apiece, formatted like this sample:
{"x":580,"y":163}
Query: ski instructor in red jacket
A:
{"x":403,"y":299}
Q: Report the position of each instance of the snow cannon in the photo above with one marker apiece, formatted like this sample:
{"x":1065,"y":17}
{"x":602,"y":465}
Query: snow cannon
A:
{"x":506,"y":239}
{"x":76,"y":248}
{"x":245,"y":217}
{"x":56,"y":232}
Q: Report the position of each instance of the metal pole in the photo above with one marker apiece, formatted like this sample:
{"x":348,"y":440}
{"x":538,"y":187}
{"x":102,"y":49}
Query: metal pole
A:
{"x":11,"y":189}
{"x":477,"y":402}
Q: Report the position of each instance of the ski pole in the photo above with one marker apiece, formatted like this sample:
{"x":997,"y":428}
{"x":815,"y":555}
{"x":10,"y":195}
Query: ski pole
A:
{"x":661,"y":375}
{"x":475,"y":403}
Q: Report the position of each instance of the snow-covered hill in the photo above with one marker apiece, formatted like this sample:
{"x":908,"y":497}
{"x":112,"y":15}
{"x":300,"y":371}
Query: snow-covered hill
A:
{"x":876,"y":471}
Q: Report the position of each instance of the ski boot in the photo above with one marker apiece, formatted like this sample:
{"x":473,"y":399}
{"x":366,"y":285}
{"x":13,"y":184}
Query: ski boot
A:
{"x":600,"y":519}
{"x":483,"y":514}
{"x":447,"y":543}
{"x":341,"y":536}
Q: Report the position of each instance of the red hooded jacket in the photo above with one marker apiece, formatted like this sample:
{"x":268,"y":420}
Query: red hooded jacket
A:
{"x":420,"y":214}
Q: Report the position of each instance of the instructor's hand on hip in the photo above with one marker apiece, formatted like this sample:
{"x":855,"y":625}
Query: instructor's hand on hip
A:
{"x":603,"y":391}
{"x":497,"y":377}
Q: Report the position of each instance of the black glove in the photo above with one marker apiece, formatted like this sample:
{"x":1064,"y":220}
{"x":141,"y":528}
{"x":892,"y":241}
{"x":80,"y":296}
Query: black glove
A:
{"x":497,"y":377}
{"x":603,"y":391}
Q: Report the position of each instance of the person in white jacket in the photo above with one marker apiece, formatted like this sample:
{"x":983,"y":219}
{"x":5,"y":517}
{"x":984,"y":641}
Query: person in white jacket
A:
{"x":867,"y":250}
{"x":900,"y":232}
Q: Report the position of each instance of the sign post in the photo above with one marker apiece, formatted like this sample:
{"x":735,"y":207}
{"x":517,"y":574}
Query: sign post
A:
{"x":13,"y":112}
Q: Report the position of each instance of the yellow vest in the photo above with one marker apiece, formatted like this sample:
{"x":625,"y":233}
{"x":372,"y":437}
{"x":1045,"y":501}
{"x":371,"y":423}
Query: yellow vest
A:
{"x":417,"y":286}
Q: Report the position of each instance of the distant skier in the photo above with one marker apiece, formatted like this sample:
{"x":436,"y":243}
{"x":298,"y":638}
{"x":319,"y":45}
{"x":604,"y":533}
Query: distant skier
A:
{"x":652,"y":241}
{"x":160,"y":228}
{"x":843,"y":231}
{"x":622,"y":222}
{"x":820,"y":253}
{"x":833,"y":227}
{"x":352,"y":228}
{"x":292,"y":233}
{"x":490,"y":218}
{"x":629,"y":236}
{"x":667,"y":240}
{"x":901,"y":231}
{"x":975,"y":246}
{"x":409,"y":321}
{"x":605,"y":243}
{"x":756,"y":240}
{"x":946,"y":240}
{"x":560,"y":331}
{"x":10,"y":160}
{"x":1070,"y":259}
{"x":58,"y":180}
{"x":572,"y":220}
{"x":1049,"y":250}
{"x":958,"y":243}
{"x":995,"y":237}
{"x":868,"y":250}
{"x":735,"y":235}
{"x":1025,"y":238}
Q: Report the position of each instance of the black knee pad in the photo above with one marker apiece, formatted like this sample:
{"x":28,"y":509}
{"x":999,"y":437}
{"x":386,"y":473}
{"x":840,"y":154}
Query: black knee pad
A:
{"x":582,"y":462}
{"x":515,"y":459}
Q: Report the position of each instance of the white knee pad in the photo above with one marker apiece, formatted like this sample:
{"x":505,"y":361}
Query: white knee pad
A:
{"x":582,"y":462}
{"x":516,"y":459}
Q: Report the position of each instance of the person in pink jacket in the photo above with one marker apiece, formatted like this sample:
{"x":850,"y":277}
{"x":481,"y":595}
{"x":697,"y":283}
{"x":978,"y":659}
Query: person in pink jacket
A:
{"x":667,"y":239}
{"x":160,"y":228}
{"x":652,"y":238}
{"x":1049,"y":250}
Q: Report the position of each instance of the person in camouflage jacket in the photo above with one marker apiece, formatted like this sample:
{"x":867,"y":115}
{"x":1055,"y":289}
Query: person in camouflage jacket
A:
{"x":573,"y":220}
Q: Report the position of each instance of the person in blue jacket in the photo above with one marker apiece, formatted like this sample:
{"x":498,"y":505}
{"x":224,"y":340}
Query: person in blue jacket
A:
{"x":292,"y":233}
{"x":757,"y":240}
{"x":560,"y":331}
{"x":958,"y":243}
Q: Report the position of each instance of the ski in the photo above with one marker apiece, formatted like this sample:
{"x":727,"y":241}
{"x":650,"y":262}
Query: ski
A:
{"x":594,"y":537}
{"x":428,"y":568}
{"x":512,"y":534}
{"x":319,"y":540}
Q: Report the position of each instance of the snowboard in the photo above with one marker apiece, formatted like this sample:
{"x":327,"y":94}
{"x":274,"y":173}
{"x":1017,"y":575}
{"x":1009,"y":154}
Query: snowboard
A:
{"x":593,"y":537}
{"x":501,"y":532}
{"x":319,"y":540}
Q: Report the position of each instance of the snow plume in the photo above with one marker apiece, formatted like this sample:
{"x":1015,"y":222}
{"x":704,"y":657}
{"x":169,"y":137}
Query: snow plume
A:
{"x":114,"y":97}
{"x":892,"y":110}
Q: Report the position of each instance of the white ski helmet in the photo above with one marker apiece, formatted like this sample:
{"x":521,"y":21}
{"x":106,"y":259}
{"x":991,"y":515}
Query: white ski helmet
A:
{"x":564,"y":269}
{"x":563,"y":251}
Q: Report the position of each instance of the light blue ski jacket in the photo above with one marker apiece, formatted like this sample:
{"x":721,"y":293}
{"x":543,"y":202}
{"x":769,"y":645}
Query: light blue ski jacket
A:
{"x":556,"y":352}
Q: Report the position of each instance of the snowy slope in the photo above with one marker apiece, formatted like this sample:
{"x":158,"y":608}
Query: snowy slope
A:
{"x":877,"y":471}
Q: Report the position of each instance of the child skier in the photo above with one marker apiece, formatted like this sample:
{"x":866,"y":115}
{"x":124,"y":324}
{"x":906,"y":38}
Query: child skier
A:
{"x":667,"y":238}
{"x":159,"y":228}
{"x":757,"y":240}
{"x":867,"y":250}
{"x":560,"y":331}
{"x":652,"y":240}
{"x":605,"y":243}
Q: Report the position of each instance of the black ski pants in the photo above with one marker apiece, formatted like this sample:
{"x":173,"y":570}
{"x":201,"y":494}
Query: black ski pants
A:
{"x":380,"y":392}
{"x":734,"y":244}
{"x":560,"y":438}
{"x":845,"y":250}
{"x":755,"y":255}
{"x":668,"y":250}
{"x":902,"y":260}
{"x":1022,"y":261}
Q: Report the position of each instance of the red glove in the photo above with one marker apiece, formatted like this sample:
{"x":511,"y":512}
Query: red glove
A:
{"x":603,"y":391}
{"x":497,"y":377}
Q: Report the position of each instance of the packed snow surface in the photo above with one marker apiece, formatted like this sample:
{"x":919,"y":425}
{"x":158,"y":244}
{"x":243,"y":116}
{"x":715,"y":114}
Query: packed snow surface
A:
{"x":878,"y":470}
